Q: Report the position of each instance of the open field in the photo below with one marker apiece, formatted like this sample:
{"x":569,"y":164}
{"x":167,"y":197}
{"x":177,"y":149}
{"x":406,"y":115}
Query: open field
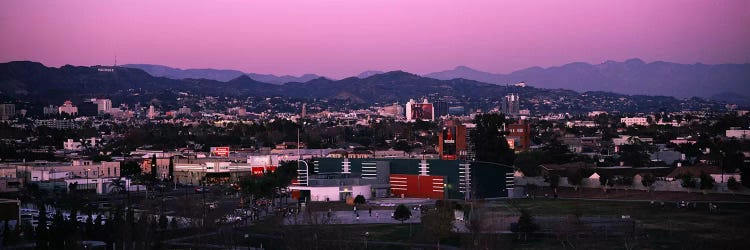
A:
{"x":657,"y":227}
{"x":617,"y":194}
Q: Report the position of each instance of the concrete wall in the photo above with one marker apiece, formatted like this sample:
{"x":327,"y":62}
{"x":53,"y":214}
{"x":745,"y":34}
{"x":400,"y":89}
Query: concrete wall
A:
{"x":334,"y":193}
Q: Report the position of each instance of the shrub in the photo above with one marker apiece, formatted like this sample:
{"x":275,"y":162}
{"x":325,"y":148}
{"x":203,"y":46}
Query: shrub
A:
{"x":359,"y":199}
{"x":688,"y":181}
{"x":707,"y":182}
{"x":733,"y":184}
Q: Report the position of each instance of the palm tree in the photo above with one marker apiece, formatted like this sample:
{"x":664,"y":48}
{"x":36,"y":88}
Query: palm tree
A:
{"x":117,"y":186}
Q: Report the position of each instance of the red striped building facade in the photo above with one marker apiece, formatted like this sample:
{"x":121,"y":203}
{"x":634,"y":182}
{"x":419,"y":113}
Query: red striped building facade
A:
{"x":417,"y":186}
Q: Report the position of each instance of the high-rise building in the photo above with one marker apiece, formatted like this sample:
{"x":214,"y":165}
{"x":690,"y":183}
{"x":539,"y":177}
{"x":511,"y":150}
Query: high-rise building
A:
{"x":441,"y":108}
{"x":184,"y":111}
{"x":420,"y":111}
{"x":457,"y":110}
{"x":68,"y":108}
{"x":50,"y":110}
{"x":7,"y":111}
{"x":452,"y":141}
{"x":395,"y":111}
{"x":519,"y":138}
{"x":151,"y":112}
{"x":511,"y":105}
{"x":304,"y":110}
{"x":103,"y":105}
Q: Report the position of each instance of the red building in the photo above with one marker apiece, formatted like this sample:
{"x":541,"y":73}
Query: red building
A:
{"x":451,"y":141}
{"x":417,"y":186}
{"x":520,"y":135}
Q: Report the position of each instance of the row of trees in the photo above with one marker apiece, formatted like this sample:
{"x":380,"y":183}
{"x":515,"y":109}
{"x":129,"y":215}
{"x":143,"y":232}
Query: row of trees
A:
{"x":118,"y":230}
{"x":270,"y":184}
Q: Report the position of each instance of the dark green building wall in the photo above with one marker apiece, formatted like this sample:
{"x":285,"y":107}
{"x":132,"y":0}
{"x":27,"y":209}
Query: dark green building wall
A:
{"x":488,"y":180}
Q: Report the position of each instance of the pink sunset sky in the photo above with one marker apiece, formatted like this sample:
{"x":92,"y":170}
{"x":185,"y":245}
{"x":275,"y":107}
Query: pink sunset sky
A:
{"x":343,"y":38}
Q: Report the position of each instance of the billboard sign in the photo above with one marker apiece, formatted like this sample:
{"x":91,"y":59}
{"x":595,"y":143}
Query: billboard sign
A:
{"x":449,"y":143}
{"x":220,"y":151}
{"x":422,"y":111}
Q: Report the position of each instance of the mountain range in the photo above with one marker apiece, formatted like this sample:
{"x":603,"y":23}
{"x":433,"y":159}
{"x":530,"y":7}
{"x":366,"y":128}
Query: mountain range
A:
{"x":633,"y":77}
{"x":725,"y":82}
{"x":33,"y":81}
{"x":222,"y":75}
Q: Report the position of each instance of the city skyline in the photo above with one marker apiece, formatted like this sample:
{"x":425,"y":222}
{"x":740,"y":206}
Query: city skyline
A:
{"x":340,"y":39}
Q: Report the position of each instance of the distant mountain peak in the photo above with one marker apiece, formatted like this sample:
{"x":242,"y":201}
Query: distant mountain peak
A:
{"x":369,"y":73}
{"x":635,"y":61}
{"x":632,"y":76}
{"x":242,"y":78}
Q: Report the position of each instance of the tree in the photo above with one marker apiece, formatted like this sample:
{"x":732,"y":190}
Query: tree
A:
{"x":526,"y":224}
{"x":438,"y":222}
{"x":554,"y":181}
{"x":647,"y":180}
{"x":402,"y":213}
{"x":604,"y":180}
{"x":163,"y":221}
{"x":130,"y":169}
{"x":733,"y":184}
{"x":687,"y":181}
{"x":528,"y":163}
{"x":745,"y":176}
{"x":707,"y":182}
{"x":171,"y":169}
{"x":173,"y":223}
{"x":359,"y":199}
{"x":42,"y":237}
{"x":117,"y":186}
{"x":489,"y":141}
{"x":635,"y":154}
{"x":402,"y":145}
{"x":100,"y":157}
{"x":575,"y":177}
{"x":153,"y":166}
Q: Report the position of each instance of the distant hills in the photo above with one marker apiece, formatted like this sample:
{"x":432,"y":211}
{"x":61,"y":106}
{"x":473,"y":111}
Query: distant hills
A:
{"x":32,"y":81}
{"x":633,"y":77}
{"x":36,"y":81}
{"x":222,"y":75}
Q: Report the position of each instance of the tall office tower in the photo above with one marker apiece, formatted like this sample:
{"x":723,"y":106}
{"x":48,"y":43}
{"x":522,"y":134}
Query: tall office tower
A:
{"x":441,"y":108}
{"x":511,"y":105}
{"x":103,"y":105}
{"x":7,"y":111}
{"x":151,"y":112}
{"x":419,"y":111}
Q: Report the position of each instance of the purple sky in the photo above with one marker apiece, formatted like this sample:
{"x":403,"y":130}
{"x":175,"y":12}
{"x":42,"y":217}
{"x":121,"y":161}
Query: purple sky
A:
{"x":343,"y":38}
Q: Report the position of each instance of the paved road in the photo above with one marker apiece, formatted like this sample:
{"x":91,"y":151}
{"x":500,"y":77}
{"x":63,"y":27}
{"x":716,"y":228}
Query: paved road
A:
{"x":348,"y":217}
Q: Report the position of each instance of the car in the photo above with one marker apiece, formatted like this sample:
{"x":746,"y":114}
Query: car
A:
{"x":201,"y":189}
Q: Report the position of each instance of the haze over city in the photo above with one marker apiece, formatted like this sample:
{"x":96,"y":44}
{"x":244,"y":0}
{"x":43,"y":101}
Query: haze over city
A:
{"x":343,"y":38}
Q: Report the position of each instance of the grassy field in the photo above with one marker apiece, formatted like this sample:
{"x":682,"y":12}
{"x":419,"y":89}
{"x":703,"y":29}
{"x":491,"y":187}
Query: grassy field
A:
{"x":657,"y":227}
